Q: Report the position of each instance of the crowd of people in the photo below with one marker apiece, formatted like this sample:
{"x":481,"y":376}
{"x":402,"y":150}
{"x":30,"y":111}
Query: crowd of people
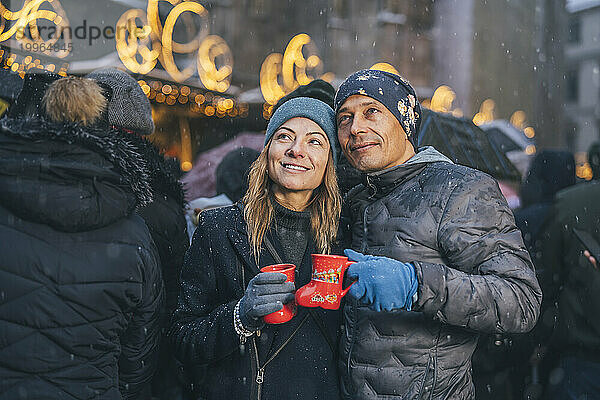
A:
{"x":453,"y":295}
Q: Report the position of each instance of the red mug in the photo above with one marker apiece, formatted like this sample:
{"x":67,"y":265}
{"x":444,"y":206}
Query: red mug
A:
{"x":289,"y":310}
{"x":325,"y":288}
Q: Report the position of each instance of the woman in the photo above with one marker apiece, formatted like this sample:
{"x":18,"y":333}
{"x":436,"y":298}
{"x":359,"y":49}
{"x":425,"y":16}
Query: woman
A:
{"x":291,"y":210}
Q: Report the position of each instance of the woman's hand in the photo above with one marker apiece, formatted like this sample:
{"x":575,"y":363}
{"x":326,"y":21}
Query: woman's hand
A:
{"x":266,"y":293}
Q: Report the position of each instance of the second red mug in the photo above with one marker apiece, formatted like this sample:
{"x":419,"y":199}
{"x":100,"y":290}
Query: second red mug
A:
{"x":325,"y":288}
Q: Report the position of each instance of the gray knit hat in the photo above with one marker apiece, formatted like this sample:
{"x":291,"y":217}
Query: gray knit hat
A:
{"x":129,"y":108}
{"x":312,"y":109}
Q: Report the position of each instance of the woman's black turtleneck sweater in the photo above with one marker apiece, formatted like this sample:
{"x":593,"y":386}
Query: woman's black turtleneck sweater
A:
{"x":293,"y":230}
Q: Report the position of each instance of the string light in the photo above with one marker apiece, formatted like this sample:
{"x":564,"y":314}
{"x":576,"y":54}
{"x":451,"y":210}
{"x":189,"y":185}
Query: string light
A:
{"x":215,"y":105}
{"x":269,"y":84}
{"x":383,"y":66}
{"x":27,"y":17}
{"x":529,"y":132}
{"x":518,"y":118}
{"x":292,"y":67}
{"x":584,"y":171}
{"x":486,"y":114}
{"x":294,"y":63}
{"x":169,"y":45}
{"x":136,"y":42}
{"x":171,"y":100}
{"x":214,"y":49}
{"x":530,"y":149}
{"x":442,"y":99}
{"x":228,"y":104}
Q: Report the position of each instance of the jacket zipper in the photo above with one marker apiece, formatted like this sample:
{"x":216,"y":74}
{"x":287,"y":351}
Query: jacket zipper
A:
{"x":353,"y":338}
{"x":260,"y":372}
{"x":364,"y":238}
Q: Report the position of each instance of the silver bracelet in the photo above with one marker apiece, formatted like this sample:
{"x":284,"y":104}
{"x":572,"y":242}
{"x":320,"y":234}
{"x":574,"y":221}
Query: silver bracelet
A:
{"x":241,"y":331}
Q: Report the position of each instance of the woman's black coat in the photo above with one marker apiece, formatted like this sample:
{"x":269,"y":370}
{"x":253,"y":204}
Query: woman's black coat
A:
{"x":216,"y":271}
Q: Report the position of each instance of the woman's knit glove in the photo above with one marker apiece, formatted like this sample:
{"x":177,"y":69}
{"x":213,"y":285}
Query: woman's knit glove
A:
{"x":384,"y":284}
{"x":266,"y":293}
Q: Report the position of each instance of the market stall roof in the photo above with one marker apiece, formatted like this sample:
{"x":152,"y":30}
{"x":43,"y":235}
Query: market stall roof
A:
{"x":465,"y":143}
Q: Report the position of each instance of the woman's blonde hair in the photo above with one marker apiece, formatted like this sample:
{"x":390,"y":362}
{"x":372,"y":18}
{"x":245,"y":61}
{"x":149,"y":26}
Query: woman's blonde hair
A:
{"x":325,"y":205}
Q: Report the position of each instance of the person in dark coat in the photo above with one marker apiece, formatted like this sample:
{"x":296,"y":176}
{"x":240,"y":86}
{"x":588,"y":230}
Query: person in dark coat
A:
{"x":594,"y":160}
{"x":10,"y":87}
{"x":502,"y":363}
{"x":550,"y":172}
{"x":129,"y":111}
{"x":439,"y":258}
{"x":290,"y":210}
{"x":573,"y":283}
{"x":231,"y":176}
{"x":81,"y":288}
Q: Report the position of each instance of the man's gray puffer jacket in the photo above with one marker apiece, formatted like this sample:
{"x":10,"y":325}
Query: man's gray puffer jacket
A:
{"x":474,"y":275}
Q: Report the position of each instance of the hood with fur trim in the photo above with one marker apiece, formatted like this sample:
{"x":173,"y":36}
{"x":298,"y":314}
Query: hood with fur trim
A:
{"x":70,"y":177}
{"x":164,"y":172}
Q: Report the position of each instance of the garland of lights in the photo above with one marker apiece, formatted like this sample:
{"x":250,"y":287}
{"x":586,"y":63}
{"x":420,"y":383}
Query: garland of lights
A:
{"x":27,"y":16}
{"x":213,"y":77}
{"x":136,"y":41}
{"x":213,"y":62}
{"x":292,"y":68}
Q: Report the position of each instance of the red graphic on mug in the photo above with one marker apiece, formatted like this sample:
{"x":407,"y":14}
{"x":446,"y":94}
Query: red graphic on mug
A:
{"x":325,"y":288}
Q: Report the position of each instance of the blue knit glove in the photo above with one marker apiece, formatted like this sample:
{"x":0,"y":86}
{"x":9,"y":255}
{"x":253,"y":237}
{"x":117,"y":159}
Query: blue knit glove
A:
{"x":384,"y":284}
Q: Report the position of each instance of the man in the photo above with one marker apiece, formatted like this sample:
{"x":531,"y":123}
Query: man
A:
{"x":573,"y":282}
{"x":454,"y":264}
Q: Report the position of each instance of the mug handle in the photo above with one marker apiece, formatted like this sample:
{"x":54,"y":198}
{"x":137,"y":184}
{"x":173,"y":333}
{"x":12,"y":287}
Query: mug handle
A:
{"x":345,"y":291}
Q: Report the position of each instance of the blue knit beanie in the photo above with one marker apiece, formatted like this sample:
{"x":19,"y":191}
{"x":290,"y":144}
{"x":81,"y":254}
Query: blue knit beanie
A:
{"x":391,"y":90}
{"x":310,"y":108}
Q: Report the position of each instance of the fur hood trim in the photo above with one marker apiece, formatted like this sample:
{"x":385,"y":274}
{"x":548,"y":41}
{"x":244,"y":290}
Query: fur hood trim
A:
{"x":164,"y":172}
{"x":117,"y":147}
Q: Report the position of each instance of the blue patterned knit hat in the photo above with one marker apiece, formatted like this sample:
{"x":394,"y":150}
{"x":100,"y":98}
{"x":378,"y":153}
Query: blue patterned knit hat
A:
{"x":392,"y":90}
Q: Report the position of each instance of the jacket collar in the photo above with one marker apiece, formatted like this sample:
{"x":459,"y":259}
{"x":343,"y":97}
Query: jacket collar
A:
{"x":238,"y":236}
{"x":118,"y":148}
{"x":382,"y":182}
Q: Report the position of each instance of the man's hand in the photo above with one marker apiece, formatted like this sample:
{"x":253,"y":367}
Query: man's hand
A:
{"x":384,"y":284}
{"x":591,"y":258}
